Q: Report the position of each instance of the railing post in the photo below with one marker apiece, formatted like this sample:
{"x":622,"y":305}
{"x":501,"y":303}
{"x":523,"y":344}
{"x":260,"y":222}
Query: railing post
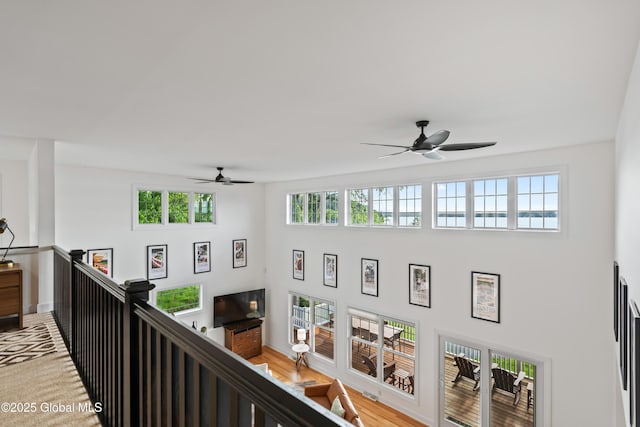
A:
{"x":76,"y":256}
{"x":135,"y":290}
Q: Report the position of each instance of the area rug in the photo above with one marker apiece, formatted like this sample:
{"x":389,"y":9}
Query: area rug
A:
{"x":25,"y":344}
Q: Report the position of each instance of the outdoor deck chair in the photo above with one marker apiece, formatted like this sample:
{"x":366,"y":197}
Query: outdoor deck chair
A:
{"x":370,"y":362}
{"x":507,"y":382}
{"x":466,"y":370}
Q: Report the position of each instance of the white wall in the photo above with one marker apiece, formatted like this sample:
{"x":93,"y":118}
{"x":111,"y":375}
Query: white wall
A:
{"x":554,"y":285}
{"x":627,"y":205}
{"x":15,"y":206}
{"x":94,"y":210}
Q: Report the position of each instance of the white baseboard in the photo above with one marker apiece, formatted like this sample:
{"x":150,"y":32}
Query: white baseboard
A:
{"x":47,"y":306}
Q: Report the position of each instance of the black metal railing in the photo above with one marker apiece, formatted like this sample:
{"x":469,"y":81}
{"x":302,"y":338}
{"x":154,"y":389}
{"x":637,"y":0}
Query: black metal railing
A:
{"x":142,"y":367}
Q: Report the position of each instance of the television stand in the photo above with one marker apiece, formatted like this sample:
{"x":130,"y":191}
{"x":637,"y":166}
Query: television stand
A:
{"x":244,"y":338}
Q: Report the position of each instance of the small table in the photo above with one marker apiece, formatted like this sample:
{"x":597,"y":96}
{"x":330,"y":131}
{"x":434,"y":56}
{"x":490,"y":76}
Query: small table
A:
{"x":301,"y":352}
{"x":400,"y":375}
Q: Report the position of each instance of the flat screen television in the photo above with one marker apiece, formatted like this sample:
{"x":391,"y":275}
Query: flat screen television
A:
{"x":233,"y":308}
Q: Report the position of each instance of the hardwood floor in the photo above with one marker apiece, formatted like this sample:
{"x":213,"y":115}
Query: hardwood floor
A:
{"x":372,"y":414}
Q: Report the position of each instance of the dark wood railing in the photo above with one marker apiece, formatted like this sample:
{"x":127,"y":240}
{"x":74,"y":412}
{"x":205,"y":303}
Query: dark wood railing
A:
{"x":142,"y":367}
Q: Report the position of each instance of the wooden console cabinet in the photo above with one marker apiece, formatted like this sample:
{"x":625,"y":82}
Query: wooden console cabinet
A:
{"x":244,"y":338}
{"x":11,"y":292}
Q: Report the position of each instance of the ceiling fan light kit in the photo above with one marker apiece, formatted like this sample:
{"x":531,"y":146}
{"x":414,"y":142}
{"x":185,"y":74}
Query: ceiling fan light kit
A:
{"x":430,"y":146}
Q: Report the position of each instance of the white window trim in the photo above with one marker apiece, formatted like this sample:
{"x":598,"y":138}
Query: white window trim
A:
{"x":395,"y":204}
{"x":311,"y":322}
{"x":380,"y":349}
{"x":164,"y":196}
{"x":542,"y":405}
{"x":305,"y":215}
{"x":512,"y":200}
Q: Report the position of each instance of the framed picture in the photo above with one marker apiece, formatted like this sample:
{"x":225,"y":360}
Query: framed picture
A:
{"x":616,"y":286}
{"x":298,"y":264}
{"x":239,"y":253}
{"x":201,"y":257}
{"x":101,"y":260}
{"x":157,"y":262}
{"x":634,"y":362}
{"x":624,"y":318}
{"x":369,"y":277}
{"x":330,"y":270}
{"x":420,"y":285}
{"x":485,"y":296}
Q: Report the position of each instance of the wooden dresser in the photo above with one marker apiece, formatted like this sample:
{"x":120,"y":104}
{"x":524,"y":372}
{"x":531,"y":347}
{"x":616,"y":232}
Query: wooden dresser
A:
{"x":244,"y":338}
{"x":11,"y":292}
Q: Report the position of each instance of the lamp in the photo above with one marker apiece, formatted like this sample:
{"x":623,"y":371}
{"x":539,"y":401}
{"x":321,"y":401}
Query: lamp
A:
{"x":4,"y":226}
{"x":302,"y":335}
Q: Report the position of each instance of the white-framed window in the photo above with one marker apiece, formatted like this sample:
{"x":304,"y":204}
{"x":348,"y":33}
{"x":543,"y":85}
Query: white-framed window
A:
{"x":331,"y":207}
{"x":180,"y":300}
{"x":490,"y":197}
{"x":410,"y":205}
{"x":313,"y":208}
{"x":451,"y":204}
{"x":178,"y":207}
{"x":387,"y":357}
{"x":390,"y":206}
{"x":538,"y":202}
{"x":153,"y":207}
{"x":382,"y":205}
{"x":316,"y":317}
{"x":472,"y":364}
{"x":203,"y":211}
{"x":517,"y":202}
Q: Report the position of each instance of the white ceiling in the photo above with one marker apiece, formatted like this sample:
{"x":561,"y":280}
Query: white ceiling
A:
{"x":287,"y":89}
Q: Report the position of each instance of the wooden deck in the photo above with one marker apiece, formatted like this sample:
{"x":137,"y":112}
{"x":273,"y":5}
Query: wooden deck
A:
{"x":462,"y":403}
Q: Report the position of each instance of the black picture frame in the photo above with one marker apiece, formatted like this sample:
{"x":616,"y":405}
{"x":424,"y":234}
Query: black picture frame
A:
{"x":239,"y":253}
{"x":330,"y":270}
{"x":616,"y":303}
{"x":420,"y":285}
{"x":485,"y":296}
{"x":298,"y":264}
{"x":634,"y":362}
{"x":369,"y":276}
{"x":201,"y":257}
{"x":157,"y":262}
{"x":624,"y":318}
{"x":105,"y":267}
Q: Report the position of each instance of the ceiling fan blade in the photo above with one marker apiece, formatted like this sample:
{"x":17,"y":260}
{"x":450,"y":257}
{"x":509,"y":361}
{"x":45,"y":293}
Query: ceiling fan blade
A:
{"x":433,"y":155}
{"x":235,"y":181}
{"x":387,"y":145}
{"x":203,"y":180}
{"x":438,"y":137}
{"x":393,"y":154}
{"x":466,"y":146}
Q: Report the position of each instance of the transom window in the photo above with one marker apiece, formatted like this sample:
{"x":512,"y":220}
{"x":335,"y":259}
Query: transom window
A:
{"x":490,"y":203}
{"x":451,"y":204}
{"x":538,"y":202}
{"x":155,"y":207}
{"x":409,"y":205}
{"x":399,"y":206}
{"x":528,"y":202}
{"x":313,"y":208}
